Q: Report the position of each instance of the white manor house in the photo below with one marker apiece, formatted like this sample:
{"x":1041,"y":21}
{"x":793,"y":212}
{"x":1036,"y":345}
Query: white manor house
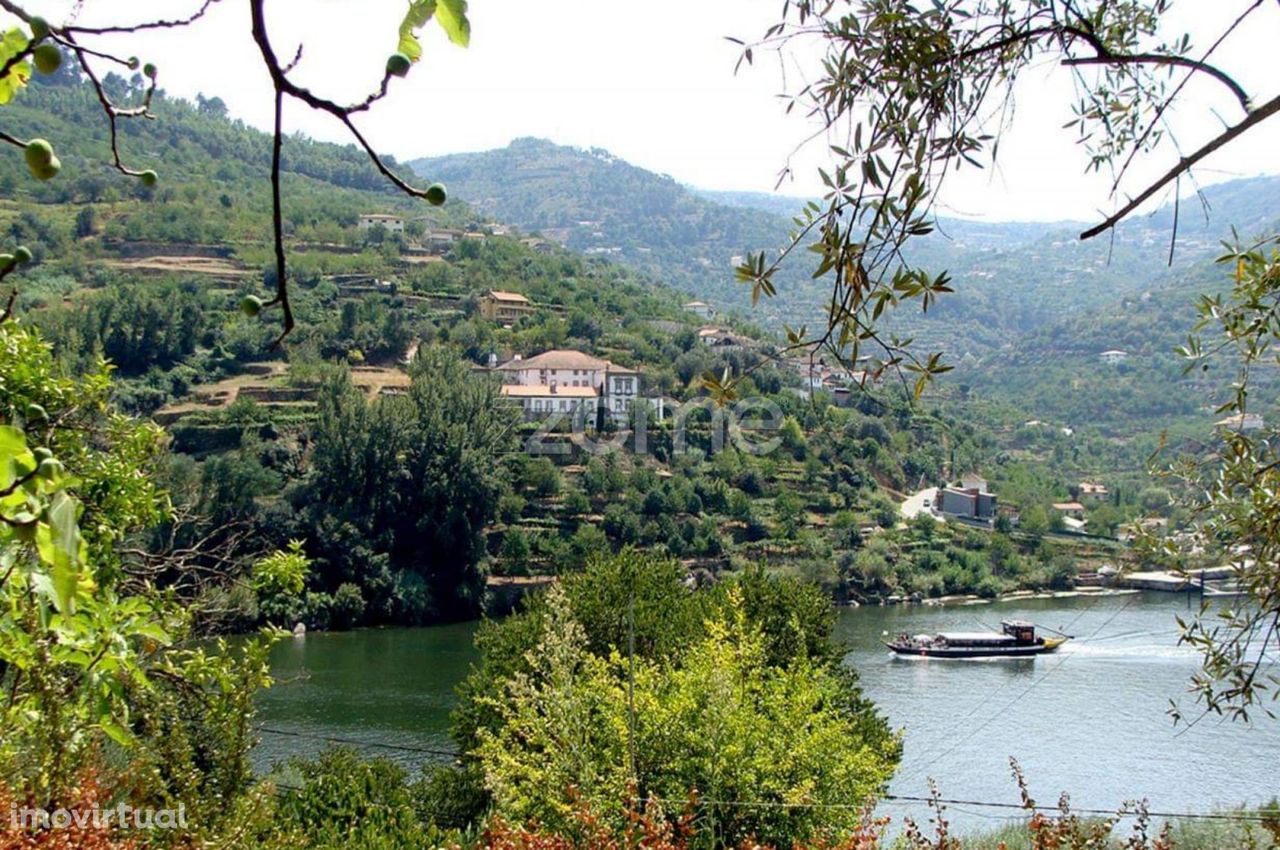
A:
{"x":571,"y":383}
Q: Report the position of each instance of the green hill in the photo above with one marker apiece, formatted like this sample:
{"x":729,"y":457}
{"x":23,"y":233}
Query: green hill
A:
{"x":595,"y":203}
{"x":1011,"y":277}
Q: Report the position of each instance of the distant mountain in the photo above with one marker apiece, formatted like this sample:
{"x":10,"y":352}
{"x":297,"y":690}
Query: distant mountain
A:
{"x":786,"y":206}
{"x":593,"y":202}
{"x":1010,"y":277}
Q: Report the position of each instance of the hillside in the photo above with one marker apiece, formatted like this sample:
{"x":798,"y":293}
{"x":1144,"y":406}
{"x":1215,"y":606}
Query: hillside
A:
{"x":1011,"y":277}
{"x":593,"y":202}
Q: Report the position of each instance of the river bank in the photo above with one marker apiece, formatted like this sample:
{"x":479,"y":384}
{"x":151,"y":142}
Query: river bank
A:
{"x":1011,"y":596}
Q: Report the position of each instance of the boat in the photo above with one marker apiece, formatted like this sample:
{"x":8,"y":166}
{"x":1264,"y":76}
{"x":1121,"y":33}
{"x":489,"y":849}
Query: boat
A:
{"x":1016,"y":639}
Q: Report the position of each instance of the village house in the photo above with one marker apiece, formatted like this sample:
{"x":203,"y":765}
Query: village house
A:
{"x":1090,"y":490}
{"x":701,"y":309}
{"x":570,"y":382}
{"x":504,"y":307}
{"x":1241,"y":423}
{"x":1075,"y":510}
{"x":1113,"y":356}
{"x":393,"y":223}
{"x":440,"y":240}
{"x":967,"y":503}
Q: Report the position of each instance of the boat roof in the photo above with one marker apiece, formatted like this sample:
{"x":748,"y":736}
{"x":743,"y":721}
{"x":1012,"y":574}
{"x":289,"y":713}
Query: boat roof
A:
{"x":975,"y":636}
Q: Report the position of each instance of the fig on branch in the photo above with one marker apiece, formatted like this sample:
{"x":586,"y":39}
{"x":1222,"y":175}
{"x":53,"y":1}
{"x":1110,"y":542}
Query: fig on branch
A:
{"x":149,"y":70}
{"x":49,"y":468}
{"x":251,"y":305}
{"x":39,"y":27}
{"x":47,"y":57}
{"x":38,"y":152}
{"x":22,"y":254}
{"x":398,"y":64}
{"x":148,"y":178}
{"x":436,"y":194}
{"x":47,"y":171}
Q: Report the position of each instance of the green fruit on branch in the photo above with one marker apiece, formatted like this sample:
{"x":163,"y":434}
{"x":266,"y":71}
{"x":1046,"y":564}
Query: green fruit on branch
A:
{"x":41,"y":454}
{"x":148,"y":178}
{"x":398,"y":64}
{"x":38,"y":152}
{"x":251,"y":305}
{"x":134,"y":63}
{"x":22,"y":254}
{"x":49,"y":468}
{"x":39,"y":27}
{"x":47,"y":171}
{"x":149,"y":70}
{"x":436,"y":194}
{"x":36,"y":413}
{"x":48,"y":58}
{"x":7,"y":261}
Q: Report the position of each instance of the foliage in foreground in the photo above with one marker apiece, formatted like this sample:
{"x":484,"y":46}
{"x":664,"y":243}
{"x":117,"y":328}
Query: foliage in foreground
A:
{"x":379,"y":805}
{"x":97,"y":674}
{"x":624,"y":674}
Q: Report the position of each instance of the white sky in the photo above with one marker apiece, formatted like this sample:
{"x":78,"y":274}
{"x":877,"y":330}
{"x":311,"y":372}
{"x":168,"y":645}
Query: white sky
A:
{"x":651,"y":82}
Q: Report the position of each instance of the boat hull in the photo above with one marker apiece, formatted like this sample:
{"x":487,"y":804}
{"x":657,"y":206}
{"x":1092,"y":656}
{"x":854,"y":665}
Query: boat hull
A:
{"x":1037,"y":648}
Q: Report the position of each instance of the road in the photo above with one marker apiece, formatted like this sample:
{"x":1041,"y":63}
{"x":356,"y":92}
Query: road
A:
{"x":915,"y":503}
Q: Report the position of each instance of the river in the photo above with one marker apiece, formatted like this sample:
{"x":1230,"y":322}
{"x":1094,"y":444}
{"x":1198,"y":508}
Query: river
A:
{"x":1091,"y":719}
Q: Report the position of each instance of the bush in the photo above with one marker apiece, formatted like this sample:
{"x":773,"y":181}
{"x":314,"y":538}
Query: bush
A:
{"x":349,"y":803}
{"x":450,"y":797}
{"x":347,"y":607}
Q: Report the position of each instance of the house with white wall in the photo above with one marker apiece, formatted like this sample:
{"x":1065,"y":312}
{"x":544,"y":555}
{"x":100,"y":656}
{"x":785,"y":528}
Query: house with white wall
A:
{"x":393,"y":223}
{"x":567,"y":381}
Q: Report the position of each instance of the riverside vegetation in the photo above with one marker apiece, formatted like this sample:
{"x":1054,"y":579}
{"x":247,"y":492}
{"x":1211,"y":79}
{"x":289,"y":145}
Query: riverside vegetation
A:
{"x":682,"y":664}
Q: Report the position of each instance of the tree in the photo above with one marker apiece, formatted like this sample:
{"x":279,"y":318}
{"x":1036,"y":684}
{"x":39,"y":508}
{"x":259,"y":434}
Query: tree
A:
{"x":418,"y":477}
{"x":906,"y":90}
{"x":86,"y":48}
{"x":90,"y":652}
{"x":547,"y":704}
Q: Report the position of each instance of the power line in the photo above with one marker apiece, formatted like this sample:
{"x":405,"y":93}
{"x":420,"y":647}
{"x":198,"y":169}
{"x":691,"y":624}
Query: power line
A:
{"x":895,"y":798}
{"x":986,"y":804}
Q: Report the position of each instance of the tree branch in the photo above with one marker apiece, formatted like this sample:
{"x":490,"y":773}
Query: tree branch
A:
{"x":1108,"y":58}
{"x":1185,"y":164}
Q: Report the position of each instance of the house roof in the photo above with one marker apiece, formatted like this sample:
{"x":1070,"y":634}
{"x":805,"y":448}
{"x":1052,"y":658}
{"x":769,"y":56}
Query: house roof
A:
{"x":697,"y":304}
{"x":557,"y":359}
{"x":1068,"y":506}
{"x":1241,"y":420}
{"x":514,"y":297}
{"x":381,"y":216}
{"x":1114,"y":351}
{"x":545,"y":391}
{"x":1090,"y":487}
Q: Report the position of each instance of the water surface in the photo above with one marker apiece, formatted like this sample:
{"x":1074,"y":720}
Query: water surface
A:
{"x":1091,"y":718}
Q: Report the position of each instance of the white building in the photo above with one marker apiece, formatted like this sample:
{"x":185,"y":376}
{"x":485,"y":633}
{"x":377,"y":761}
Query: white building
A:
{"x":1113,"y":356}
{"x":564,"y":381}
{"x":701,"y":309}
{"x":1241,"y":422}
{"x":393,"y":223}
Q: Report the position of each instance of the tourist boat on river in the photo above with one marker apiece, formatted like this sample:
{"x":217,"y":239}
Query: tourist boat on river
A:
{"x":1016,"y":639}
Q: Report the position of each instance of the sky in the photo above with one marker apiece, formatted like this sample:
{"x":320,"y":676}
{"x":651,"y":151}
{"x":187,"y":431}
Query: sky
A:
{"x":654,"y":83}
